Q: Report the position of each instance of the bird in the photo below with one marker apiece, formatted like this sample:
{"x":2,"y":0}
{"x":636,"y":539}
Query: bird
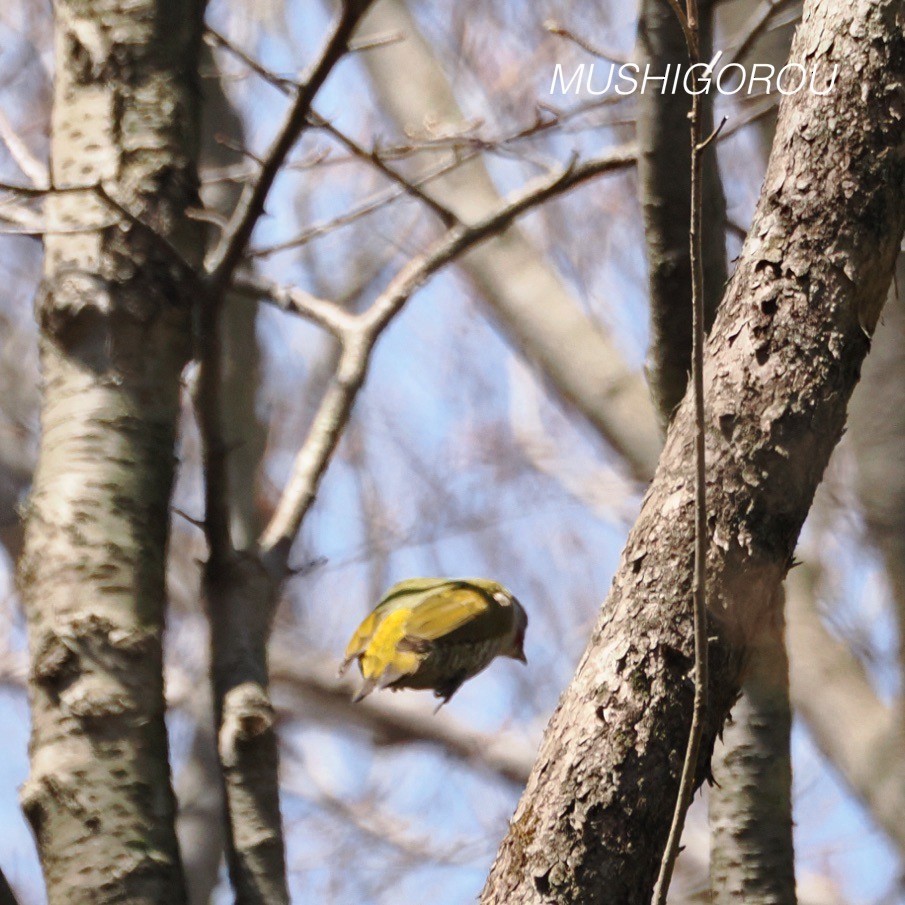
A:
{"x":434,"y":633}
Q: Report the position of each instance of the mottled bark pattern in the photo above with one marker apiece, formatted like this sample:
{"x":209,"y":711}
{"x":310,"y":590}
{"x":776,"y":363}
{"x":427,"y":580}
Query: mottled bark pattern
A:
{"x":115,"y":334}
{"x":783,"y":357}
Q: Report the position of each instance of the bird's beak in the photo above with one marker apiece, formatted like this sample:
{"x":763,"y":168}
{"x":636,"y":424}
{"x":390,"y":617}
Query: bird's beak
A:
{"x":520,"y":656}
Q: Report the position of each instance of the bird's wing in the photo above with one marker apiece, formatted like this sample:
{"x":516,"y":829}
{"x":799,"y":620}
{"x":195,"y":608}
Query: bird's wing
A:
{"x":411,"y":591}
{"x":360,"y":638}
{"x":458,"y":612}
{"x":405,"y":594}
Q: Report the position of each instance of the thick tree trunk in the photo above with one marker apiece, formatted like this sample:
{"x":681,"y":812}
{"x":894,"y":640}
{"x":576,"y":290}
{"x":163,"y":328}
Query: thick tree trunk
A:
{"x":115,"y":334}
{"x":752,"y":851}
{"x":783,"y":357}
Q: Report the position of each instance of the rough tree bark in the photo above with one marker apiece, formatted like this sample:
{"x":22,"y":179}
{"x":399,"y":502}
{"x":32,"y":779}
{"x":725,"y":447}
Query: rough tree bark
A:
{"x":752,"y":851}
{"x":115,"y":333}
{"x":783,"y":358}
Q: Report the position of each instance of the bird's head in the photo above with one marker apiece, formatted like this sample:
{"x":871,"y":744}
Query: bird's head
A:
{"x":516,"y":647}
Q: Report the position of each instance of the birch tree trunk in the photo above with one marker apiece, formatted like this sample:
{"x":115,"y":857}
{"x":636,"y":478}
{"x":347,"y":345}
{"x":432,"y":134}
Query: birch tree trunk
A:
{"x":784,"y":355}
{"x":115,"y":316}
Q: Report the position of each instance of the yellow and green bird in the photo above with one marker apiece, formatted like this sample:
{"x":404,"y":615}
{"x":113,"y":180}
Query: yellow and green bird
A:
{"x":436,"y":633}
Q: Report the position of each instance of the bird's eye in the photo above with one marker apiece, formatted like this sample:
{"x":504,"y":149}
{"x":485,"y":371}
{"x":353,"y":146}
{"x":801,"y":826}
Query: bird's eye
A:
{"x":502,"y":598}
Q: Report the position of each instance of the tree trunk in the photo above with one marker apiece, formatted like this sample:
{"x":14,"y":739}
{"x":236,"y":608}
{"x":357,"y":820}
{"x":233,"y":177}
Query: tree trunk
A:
{"x":752,"y":855}
{"x":115,"y":316}
{"x":199,"y":787}
{"x":664,"y":186}
{"x":783,"y":357}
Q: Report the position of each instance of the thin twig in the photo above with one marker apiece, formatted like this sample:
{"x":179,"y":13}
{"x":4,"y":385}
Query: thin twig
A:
{"x":229,"y":251}
{"x":326,"y":314}
{"x":447,"y":217}
{"x":699,"y":589}
{"x":371,"y":205}
{"x":363,"y":331}
{"x":287,"y":86}
{"x":702,"y":146}
{"x":35,"y":169}
{"x":371,"y":42}
{"x":561,"y":31}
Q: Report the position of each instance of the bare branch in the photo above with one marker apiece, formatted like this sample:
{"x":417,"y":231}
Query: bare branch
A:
{"x":377,"y":202}
{"x":229,"y":251}
{"x":447,"y":217}
{"x":325,"y":314}
{"x":560,"y":30}
{"x":287,"y":86}
{"x":701,"y":536}
{"x":756,"y":25}
{"x":359,"y":341}
{"x":27,"y":162}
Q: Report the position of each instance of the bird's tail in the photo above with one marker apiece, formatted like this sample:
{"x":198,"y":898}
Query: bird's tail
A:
{"x":367,"y":686}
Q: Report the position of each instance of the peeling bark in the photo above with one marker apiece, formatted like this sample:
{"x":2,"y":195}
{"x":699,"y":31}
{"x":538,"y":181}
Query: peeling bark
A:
{"x":752,"y":851}
{"x":784,"y":355}
{"x":115,"y":334}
